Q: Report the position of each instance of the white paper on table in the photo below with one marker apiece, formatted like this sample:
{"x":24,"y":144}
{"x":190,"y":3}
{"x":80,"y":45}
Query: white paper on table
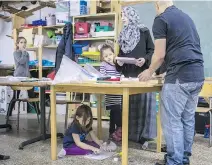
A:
{"x":101,"y":156}
{"x":126,"y":60}
{"x":130,"y":79}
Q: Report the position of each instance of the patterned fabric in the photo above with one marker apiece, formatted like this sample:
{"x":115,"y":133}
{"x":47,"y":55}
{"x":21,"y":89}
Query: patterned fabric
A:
{"x":127,"y":42}
{"x":110,"y":70}
{"x":142,"y":117}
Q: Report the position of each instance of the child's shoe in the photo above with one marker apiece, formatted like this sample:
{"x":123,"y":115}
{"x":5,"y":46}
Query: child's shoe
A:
{"x":117,"y":135}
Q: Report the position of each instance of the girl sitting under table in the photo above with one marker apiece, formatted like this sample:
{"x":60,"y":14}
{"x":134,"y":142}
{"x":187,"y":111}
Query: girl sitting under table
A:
{"x":74,"y":141}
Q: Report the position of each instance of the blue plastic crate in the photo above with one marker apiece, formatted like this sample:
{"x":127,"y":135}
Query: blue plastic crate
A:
{"x":78,"y":46}
{"x":39,"y":22}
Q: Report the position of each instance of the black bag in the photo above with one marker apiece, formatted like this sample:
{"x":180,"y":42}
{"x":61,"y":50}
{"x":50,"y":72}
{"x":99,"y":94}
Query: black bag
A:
{"x":201,"y":119}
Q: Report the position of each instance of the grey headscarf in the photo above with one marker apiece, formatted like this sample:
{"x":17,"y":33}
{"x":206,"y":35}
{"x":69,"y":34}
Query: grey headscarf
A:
{"x":130,"y":34}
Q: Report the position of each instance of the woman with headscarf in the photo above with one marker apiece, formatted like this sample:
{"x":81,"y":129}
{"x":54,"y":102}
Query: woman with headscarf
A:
{"x":135,"y":41}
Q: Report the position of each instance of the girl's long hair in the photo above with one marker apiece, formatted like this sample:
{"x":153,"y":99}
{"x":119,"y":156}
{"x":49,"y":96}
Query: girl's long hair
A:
{"x":85,"y":112}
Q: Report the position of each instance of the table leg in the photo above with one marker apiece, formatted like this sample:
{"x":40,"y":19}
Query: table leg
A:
{"x":53,"y":124}
{"x":125,"y":118}
{"x":159,"y":129}
{"x":99,"y":116}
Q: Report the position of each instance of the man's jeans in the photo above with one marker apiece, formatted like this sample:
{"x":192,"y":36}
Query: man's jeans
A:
{"x":178,"y":105}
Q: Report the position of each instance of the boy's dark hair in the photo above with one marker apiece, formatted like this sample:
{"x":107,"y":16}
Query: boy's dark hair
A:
{"x":18,"y":40}
{"x":85,"y":112}
{"x":104,"y":47}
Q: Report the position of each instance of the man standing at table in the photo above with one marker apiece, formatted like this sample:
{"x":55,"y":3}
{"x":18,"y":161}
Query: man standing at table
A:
{"x":177,"y":43}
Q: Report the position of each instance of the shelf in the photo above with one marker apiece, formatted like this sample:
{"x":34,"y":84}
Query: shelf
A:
{"x":51,"y":46}
{"x":92,"y":16}
{"x":44,"y":27}
{"x":105,"y":1}
{"x":33,"y":27}
{"x":103,"y":117}
{"x":94,"y":38}
{"x":129,"y":2}
{"x":53,"y":26}
{"x":32,"y":48}
{"x":93,"y":64}
{"x":6,"y":18}
{"x":43,"y":68}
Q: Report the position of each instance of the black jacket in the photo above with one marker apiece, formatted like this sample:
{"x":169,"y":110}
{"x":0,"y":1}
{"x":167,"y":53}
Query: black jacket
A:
{"x":144,"y":49}
{"x":65,"y":46}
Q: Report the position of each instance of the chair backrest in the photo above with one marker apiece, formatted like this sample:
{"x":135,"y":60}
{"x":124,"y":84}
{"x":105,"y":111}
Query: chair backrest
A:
{"x":74,"y":94}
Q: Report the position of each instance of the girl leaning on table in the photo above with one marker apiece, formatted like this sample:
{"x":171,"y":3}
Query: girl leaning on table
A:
{"x":112,"y":102}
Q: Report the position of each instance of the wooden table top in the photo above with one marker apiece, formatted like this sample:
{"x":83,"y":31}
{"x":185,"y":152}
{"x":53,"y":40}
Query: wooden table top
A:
{"x":112,"y":84}
{"x":26,"y":84}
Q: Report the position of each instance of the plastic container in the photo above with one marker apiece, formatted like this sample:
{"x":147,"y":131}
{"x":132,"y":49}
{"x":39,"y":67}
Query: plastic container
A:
{"x":105,"y":23}
{"x":78,"y":7}
{"x":51,"y":20}
{"x":39,"y":22}
{"x":80,"y":47}
{"x":93,"y":28}
{"x":104,"y":28}
{"x":207,"y":131}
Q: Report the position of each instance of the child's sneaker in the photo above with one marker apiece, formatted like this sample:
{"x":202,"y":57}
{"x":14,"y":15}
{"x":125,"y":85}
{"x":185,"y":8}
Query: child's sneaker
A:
{"x":62,"y":153}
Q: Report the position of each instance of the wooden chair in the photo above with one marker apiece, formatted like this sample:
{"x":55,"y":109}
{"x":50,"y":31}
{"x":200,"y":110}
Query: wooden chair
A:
{"x":206,"y":93}
{"x":66,"y":102}
{"x":30,"y":101}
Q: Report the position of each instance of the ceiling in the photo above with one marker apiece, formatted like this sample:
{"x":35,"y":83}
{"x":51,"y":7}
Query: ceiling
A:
{"x":15,"y":7}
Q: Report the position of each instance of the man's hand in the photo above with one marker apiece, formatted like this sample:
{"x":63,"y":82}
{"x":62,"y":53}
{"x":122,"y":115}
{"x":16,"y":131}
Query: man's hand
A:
{"x":145,"y":75}
{"x":140,"y":62}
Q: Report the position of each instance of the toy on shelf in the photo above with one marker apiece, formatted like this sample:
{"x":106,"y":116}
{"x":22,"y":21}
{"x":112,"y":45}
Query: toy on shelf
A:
{"x":103,"y":29}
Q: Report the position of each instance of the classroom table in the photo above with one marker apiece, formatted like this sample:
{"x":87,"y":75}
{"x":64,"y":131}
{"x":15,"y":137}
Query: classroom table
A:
{"x":42,"y":85}
{"x":125,"y":88}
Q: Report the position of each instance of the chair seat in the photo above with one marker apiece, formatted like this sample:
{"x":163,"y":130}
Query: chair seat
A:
{"x":67,"y":102}
{"x":30,"y":100}
{"x":202,"y":110}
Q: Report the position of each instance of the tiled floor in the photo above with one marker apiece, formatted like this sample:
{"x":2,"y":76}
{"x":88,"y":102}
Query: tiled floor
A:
{"x":39,"y":153}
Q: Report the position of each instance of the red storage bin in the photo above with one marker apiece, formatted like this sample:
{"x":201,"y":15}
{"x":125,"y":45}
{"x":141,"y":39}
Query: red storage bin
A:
{"x":82,"y":27}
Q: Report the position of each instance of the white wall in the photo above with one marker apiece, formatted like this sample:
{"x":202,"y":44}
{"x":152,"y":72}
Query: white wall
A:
{"x":6,"y":43}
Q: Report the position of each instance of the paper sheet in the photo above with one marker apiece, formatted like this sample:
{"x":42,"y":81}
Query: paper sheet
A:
{"x":101,"y":156}
{"x":126,"y":60}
